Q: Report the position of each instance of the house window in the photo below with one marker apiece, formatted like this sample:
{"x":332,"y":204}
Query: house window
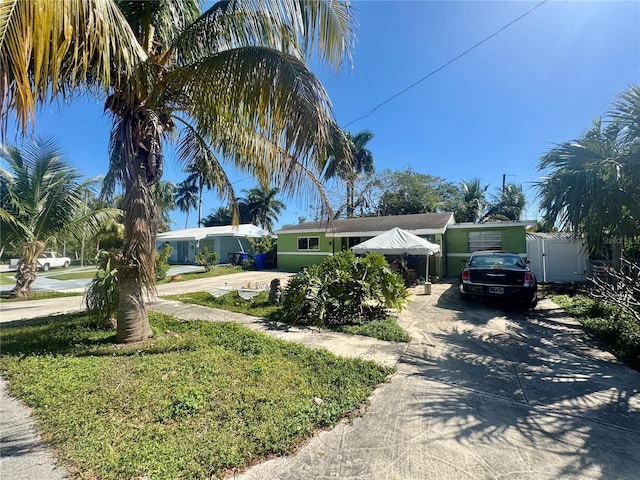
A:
{"x":308,"y":243}
{"x":484,"y":241}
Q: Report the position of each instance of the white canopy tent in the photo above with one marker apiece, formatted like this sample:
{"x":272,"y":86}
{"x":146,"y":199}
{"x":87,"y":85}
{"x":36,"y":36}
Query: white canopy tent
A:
{"x":398,"y":242}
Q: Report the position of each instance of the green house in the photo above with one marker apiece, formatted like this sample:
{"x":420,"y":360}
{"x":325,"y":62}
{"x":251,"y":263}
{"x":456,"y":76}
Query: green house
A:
{"x":311,"y":242}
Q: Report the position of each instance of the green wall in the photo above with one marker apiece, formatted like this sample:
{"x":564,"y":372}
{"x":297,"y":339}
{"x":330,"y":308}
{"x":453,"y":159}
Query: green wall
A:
{"x":291,"y":259}
{"x":514,"y":240}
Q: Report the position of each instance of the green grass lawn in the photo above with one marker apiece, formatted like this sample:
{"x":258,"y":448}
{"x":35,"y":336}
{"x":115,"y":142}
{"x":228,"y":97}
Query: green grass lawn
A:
{"x":387,"y":329}
{"x":199,"y":401}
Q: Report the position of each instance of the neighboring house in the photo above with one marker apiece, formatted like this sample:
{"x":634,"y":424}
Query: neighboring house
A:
{"x":311,"y":242}
{"x":223,"y":240}
{"x":464,"y":238}
{"x":557,"y":257}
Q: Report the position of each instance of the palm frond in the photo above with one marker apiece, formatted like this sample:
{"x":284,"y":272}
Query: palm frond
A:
{"x":71,"y":44}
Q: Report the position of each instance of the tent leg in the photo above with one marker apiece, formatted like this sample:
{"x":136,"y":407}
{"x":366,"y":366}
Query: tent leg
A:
{"x":427,"y":283}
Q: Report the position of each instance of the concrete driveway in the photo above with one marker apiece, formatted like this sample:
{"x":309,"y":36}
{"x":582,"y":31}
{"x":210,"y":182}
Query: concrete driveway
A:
{"x":485,"y":392}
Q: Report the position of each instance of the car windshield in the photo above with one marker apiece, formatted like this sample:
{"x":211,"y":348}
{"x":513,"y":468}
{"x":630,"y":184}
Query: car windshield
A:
{"x":496,"y":260}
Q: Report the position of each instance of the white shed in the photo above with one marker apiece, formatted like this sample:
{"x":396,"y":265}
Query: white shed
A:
{"x":557,"y":257}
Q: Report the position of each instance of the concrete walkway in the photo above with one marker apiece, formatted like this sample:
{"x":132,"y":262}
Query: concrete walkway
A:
{"x":482,"y":391}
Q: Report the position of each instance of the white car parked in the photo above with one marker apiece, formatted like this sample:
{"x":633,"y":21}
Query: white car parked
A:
{"x":46,"y":261}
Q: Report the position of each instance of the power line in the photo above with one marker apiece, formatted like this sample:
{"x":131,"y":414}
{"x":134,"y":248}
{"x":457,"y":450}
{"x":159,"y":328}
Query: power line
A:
{"x":446,"y":64}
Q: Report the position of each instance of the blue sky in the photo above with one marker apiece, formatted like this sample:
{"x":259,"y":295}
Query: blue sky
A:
{"x":492,"y":112}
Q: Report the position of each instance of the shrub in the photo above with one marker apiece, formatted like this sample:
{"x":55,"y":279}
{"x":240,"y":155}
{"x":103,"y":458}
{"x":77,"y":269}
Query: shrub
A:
{"x":344,"y":289}
{"x":162,"y":261}
{"x":207,"y":259}
{"x":262,"y":244}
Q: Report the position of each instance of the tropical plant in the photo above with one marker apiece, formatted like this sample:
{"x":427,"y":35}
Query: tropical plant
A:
{"x":231,"y":80}
{"x":186,"y":198}
{"x":473,"y":200}
{"x":41,"y":203}
{"x":162,"y":261}
{"x":507,"y":205}
{"x":263,"y":244}
{"x":206,"y":258}
{"x":350,"y":167}
{"x":344,"y":289}
{"x":260,"y":207}
{"x":102,"y":295}
{"x":591,"y":185}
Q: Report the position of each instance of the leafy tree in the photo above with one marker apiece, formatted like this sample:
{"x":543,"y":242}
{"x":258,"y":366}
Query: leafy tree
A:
{"x":350,"y":167}
{"x":592,"y":185}
{"x":207,"y":259}
{"x":42,"y":201}
{"x":507,"y":205}
{"x":186,"y":198}
{"x":473,"y":200}
{"x":260,"y":207}
{"x":405,"y":192}
{"x":232,"y":79}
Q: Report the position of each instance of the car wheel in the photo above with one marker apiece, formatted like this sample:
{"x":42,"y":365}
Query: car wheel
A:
{"x":66,"y":265}
{"x":45,"y":267}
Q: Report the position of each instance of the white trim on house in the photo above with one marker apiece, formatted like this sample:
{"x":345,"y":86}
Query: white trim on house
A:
{"x":375,"y":233}
{"x":306,"y":253}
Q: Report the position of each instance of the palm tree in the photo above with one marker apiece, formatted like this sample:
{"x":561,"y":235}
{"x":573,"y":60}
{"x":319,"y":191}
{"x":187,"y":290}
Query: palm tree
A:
{"x":42,"y":202}
{"x":164,"y":193}
{"x":231,"y":80}
{"x":261,"y":207}
{"x":473,"y":193}
{"x":218,"y":217}
{"x":350,"y":167}
{"x":591,"y":186}
{"x":186,"y":198}
{"x":507,"y":205}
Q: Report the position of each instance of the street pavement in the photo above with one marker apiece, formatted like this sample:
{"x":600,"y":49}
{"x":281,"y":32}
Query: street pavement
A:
{"x":482,"y":391}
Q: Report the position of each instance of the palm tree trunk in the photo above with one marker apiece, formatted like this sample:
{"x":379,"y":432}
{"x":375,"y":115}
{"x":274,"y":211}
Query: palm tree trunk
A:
{"x":25,"y":276}
{"x":200,"y":206}
{"x":139,"y":263}
{"x":133,"y":323}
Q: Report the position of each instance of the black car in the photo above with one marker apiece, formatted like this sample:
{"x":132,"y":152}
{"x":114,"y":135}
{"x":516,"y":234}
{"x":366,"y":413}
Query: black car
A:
{"x":495,"y":274}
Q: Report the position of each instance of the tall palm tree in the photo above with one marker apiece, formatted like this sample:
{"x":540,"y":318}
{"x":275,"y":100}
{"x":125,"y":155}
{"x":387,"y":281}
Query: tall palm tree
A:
{"x":350,"y":167}
{"x":507,"y":205}
{"x":231,"y":79}
{"x":186,"y":198}
{"x":42,"y":202}
{"x":591,"y":186}
{"x":164,"y":199}
{"x":261,"y":207}
{"x":473,"y":196}
{"x":218,"y":217}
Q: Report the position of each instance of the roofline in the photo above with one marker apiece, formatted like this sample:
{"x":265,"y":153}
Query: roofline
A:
{"x":373,"y":233}
{"x":523,"y":223}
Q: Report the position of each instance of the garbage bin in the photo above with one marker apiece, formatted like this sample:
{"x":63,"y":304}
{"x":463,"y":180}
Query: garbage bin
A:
{"x":243,"y":257}
{"x":234,"y":258}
